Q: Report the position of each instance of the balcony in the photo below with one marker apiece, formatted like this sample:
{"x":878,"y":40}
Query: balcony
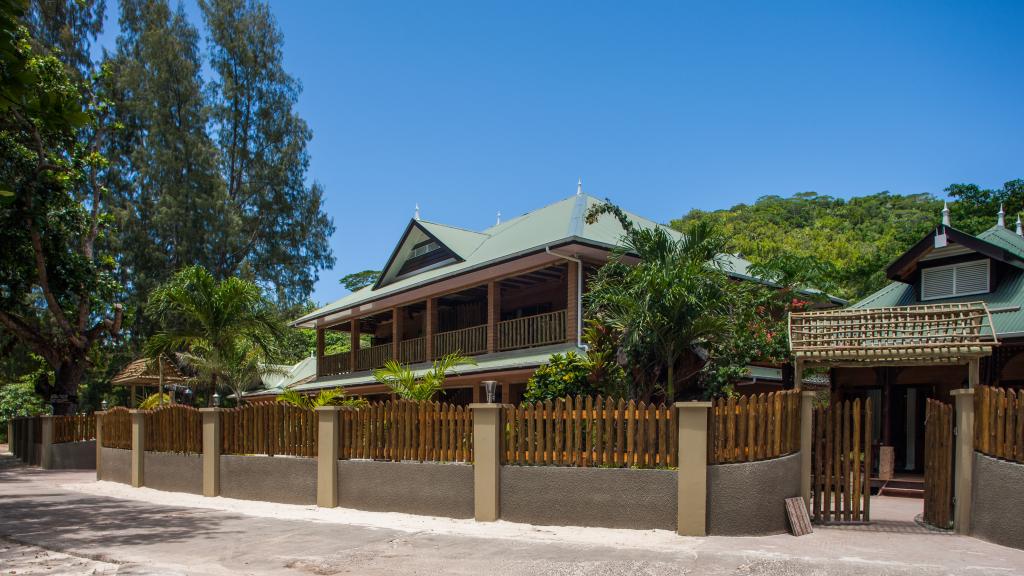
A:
{"x":334,"y":364}
{"x":467,"y":341}
{"x":531,"y":331}
{"x":373,"y":357}
{"x":412,"y":351}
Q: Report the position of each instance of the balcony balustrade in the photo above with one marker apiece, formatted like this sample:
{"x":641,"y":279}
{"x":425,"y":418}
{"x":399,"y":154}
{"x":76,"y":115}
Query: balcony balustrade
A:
{"x":467,"y":341}
{"x":531,"y":331}
{"x":412,"y":351}
{"x":334,"y":364}
{"x":373,"y":357}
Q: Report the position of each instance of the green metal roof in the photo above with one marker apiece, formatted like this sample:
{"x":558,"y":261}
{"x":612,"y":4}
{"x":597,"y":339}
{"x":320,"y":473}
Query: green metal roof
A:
{"x":1005,"y":239}
{"x":558,"y":223}
{"x":498,"y":361}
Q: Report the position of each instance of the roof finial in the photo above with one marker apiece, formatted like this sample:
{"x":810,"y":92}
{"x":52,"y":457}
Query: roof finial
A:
{"x":499,"y":218}
{"x":579,"y":186}
{"x":1001,"y":221}
{"x":945,"y":214}
{"x":1020,"y":231}
{"x":416,"y":215}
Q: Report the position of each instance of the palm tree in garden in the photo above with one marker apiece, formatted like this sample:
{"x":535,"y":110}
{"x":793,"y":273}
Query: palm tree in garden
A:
{"x":217,"y":324}
{"x":675,"y":300}
{"x":330,"y":397}
{"x":403,"y":382}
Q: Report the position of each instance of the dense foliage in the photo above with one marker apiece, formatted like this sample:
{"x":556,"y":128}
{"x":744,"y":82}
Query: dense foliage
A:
{"x":403,"y":381}
{"x":843,"y":246}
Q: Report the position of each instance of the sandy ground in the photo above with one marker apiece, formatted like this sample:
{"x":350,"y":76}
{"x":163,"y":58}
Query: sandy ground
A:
{"x":66,"y":523}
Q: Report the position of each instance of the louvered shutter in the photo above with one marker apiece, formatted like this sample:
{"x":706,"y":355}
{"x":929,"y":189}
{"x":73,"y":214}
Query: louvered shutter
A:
{"x":972,"y":278}
{"x":937,"y":282}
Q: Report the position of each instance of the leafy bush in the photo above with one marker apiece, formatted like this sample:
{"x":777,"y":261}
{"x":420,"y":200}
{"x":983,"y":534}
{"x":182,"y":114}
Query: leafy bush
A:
{"x":18,"y":399}
{"x":563,"y":375}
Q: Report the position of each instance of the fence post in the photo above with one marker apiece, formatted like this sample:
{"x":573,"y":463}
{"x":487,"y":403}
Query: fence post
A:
{"x":45,"y":458}
{"x":692,"y":495}
{"x":963,"y":460}
{"x":211,"y":451}
{"x":30,"y":454}
{"x":806,"y":441}
{"x":138,"y":447}
{"x":486,"y":462}
{"x":328,"y":426}
{"x":99,"y":445}
{"x":10,"y":435}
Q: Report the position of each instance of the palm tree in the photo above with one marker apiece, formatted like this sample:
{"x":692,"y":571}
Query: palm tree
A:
{"x":675,"y":300}
{"x":403,"y":382}
{"x":216,"y":322}
{"x":332,"y":397}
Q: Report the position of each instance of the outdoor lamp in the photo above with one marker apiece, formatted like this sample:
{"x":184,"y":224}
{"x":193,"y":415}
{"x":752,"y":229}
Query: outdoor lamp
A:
{"x":216,"y":400}
{"x":103,"y":405}
{"x":489,"y":386}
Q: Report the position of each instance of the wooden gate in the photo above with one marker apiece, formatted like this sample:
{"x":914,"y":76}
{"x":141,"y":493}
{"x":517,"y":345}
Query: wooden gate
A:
{"x":841,"y":462}
{"x":938,"y":464}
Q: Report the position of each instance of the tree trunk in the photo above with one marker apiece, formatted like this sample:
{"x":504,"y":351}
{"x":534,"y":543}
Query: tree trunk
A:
{"x":67,"y":378}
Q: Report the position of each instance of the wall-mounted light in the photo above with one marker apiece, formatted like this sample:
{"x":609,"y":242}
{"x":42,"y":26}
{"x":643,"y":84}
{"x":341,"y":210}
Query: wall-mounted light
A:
{"x":489,"y":386}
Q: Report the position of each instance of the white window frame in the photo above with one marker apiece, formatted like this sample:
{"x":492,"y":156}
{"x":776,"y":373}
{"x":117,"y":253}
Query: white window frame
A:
{"x":955,"y":294}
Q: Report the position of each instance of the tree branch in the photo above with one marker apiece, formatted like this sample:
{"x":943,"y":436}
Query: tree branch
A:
{"x":43,"y":279}
{"x":30,"y":337}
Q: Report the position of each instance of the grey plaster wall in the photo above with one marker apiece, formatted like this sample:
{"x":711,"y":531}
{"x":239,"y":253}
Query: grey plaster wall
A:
{"x":998,"y":508}
{"x":748,"y":499}
{"x":271,"y":479}
{"x":117,"y":465}
{"x":425,"y":488}
{"x":73,"y":455}
{"x":603,"y":497}
{"x":173,"y":472}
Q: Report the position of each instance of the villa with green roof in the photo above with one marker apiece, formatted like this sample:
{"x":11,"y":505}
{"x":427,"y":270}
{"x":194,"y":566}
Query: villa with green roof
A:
{"x":945,"y":268}
{"x":510,"y":296}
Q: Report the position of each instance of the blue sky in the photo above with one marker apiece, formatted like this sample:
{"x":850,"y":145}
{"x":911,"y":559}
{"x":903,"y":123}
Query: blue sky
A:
{"x":473,"y":107}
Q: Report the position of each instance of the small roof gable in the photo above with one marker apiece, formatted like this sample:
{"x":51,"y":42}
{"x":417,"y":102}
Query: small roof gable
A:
{"x":996,"y":243}
{"x":419,"y":234}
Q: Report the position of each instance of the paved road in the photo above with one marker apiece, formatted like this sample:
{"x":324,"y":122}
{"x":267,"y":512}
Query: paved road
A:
{"x":47,"y":529}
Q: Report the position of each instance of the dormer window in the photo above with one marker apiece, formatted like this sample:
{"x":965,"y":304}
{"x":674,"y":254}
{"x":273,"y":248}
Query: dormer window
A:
{"x":962,"y":279}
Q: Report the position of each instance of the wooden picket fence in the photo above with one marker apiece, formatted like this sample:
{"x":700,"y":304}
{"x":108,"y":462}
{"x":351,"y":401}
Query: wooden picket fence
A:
{"x":174,"y":428}
{"x":938,"y":464}
{"x":269,"y":428}
{"x":588,"y":431}
{"x":76,"y":428}
{"x":999,"y":422}
{"x":117,"y":428}
{"x":755,"y":427}
{"x":841,"y":462}
{"x":405,"y":430}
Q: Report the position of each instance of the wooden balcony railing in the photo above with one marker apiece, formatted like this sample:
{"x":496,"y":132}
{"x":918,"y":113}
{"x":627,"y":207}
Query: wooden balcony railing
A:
{"x":333,"y":364}
{"x":466,"y":341}
{"x":532,"y":331}
{"x":412,"y":350}
{"x":373,"y":357}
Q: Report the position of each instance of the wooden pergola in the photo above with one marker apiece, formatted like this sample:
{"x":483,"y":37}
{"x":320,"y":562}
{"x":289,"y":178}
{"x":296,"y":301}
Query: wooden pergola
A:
{"x":921,"y":335}
{"x":147,"y":373}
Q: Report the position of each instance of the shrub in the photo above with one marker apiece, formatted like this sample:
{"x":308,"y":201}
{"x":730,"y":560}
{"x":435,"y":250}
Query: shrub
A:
{"x":563,"y":375}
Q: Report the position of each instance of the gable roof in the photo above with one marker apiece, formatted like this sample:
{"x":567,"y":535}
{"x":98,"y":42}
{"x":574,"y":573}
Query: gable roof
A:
{"x":1004,"y":302}
{"x":996,"y":242}
{"x":556,"y":224}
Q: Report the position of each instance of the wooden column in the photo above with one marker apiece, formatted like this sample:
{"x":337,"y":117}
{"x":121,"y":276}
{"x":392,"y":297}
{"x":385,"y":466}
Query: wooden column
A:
{"x":493,"y":315}
{"x":571,"y":302}
{"x":506,"y":393}
{"x":320,"y":347}
{"x":353,"y":339}
{"x":963,"y":459}
{"x":397,"y":326}
{"x":798,"y":375}
{"x":430,"y":327}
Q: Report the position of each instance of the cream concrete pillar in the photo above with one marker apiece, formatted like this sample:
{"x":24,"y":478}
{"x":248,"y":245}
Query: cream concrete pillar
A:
{"x":692,"y":497}
{"x":486,"y":462}
{"x":806,"y":440}
{"x":99,"y":444}
{"x":138,"y":457}
{"x":328,"y":430}
{"x":46,"y":458}
{"x":211,"y":451}
{"x":30,"y":441}
{"x":10,"y":435}
{"x":963,"y":460}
